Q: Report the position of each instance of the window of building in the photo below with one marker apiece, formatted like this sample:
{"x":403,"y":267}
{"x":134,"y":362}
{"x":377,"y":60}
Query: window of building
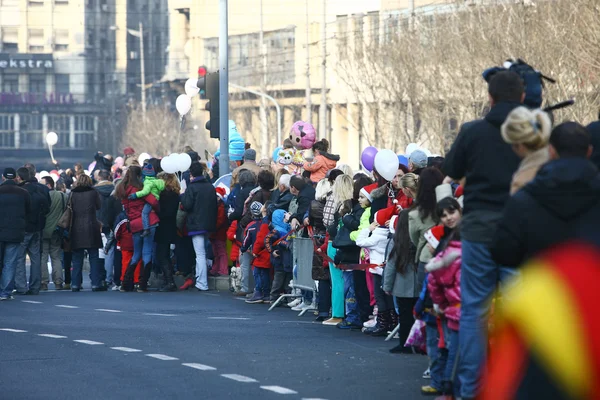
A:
{"x":10,"y":83}
{"x":31,"y":131}
{"x":37,"y":83}
{"x":10,"y":40}
{"x":36,"y":2}
{"x":60,"y":124}
{"x":84,"y":131}
{"x":61,"y":40}
{"x":61,"y":2}
{"x":7,"y":130}
{"x":62,"y":83}
{"x":36,"y":40}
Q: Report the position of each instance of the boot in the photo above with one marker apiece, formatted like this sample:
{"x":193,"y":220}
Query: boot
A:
{"x":189,"y":282}
{"x":394,"y":319}
{"x":382,"y":326}
{"x":145,"y":276}
{"x":168,"y":282}
{"x":127,"y":284}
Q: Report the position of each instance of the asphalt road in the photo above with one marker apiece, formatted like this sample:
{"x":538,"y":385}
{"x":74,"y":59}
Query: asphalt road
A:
{"x":137,"y":345}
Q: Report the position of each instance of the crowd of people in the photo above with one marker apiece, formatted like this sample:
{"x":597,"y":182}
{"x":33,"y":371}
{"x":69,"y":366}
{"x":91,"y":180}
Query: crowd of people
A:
{"x":425,"y":251}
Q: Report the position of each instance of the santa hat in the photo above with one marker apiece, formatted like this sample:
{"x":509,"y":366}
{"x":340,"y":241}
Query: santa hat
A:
{"x":393,"y":224}
{"x":434,"y":235}
{"x":222,"y":191}
{"x":367,"y":190}
{"x":384,"y":215}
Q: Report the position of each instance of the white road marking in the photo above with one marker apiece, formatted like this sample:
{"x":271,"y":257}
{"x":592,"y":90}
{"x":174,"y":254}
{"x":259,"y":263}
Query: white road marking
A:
{"x":201,"y":367}
{"x":90,"y":342}
{"x":312,"y":398}
{"x":107,"y":310}
{"x":65,"y":306}
{"x":239,"y":378}
{"x":232,"y":318}
{"x":52,"y":336}
{"x":126,"y":349}
{"x":279,"y":389}
{"x":160,"y":315}
{"x":162,"y":357}
{"x":13,"y":330}
{"x":31,"y":301}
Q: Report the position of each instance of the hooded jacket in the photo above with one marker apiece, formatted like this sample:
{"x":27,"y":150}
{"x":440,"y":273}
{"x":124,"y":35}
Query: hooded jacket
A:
{"x":376,"y":242}
{"x":200,"y":202}
{"x":322,"y":164}
{"x":134,"y":209}
{"x":562,"y":203}
{"x":40,"y":205}
{"x":57,"y":208}
{"x":104,"y":189}
{"x":15,"y":203}
{"x":480,"y":155}
{"x":443,"y":282}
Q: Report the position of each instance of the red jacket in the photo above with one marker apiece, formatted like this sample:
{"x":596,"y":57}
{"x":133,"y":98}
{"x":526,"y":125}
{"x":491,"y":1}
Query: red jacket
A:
{"x":262,"y":256}
{"x":134,"y":209}
{"x":235,"y":244}
{"x":123,"y":236}
{"x":222,"y":223}
{"x":403,"y":201}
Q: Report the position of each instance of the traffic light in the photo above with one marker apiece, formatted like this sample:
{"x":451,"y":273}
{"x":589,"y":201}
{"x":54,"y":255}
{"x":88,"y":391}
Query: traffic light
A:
{"x":210,"y":85}
{"x":202,"y":71}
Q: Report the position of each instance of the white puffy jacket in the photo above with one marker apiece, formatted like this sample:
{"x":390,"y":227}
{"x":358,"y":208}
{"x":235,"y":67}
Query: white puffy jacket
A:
{"x":376,"y":243}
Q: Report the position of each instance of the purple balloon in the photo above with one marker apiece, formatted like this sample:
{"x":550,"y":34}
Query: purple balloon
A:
{"x":367,"y":158}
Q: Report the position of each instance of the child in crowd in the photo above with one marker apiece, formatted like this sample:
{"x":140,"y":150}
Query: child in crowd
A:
{"x":262,"y":258}
{"x":443,"y":283}
{"x":153,"y":186}
{"x":124,"y":240}
{"x":278,"y":247}
{"x":323,"y":161}
{"x":375,"y":238}
{"x":250,"y":241}
{"x":236,"y":273}
{"x":219,"y":237}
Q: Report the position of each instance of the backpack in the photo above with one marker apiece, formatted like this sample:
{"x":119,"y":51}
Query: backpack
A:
{"x":532,"y":79}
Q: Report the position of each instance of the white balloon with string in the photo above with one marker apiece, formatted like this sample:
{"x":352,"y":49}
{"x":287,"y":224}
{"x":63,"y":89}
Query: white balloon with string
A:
{"x":51,"y":139}
{"x":183,"y":104}
{"x":190,"y":87}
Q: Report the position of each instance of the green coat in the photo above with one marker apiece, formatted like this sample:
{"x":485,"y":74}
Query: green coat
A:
{"x":151,"y":185}
{"x":58,"y":204}
{"x":417,"y":229}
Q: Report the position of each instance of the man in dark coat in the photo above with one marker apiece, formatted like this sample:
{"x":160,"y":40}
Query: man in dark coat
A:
{"x":594,"y":130}
{"x":562,"y":203}
{"x":32,"y":243}
{"x":105,"y":187}
{"x":200,"y":202}
{"x":15,"y":203}
{"x":282,"y":196}
{"x":480,"y":155}
{"x":304,"y":194}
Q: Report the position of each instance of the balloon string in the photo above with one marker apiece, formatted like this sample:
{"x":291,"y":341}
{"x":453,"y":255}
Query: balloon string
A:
{"x":51,"y":154}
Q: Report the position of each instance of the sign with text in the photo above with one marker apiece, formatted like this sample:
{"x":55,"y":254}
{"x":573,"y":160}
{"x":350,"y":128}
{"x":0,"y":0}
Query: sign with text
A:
{"x":26,"y":61}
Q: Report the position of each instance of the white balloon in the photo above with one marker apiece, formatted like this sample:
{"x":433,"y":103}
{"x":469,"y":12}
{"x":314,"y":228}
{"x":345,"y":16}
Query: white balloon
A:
{"x":386,"y":164}
{"x":183,"y":104}
{"x":168,"y":165}
{"x":184,"y":162}
{"x":44,"y":174}
{"x":55,"y":177}
{"x":410,"y":148}
{"x":190,"y":87}
{"x":51,"y":138}
{"x":143,"y":158}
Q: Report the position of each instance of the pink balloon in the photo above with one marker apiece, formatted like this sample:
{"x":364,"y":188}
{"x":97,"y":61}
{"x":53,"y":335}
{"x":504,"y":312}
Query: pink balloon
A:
{"x":91,"y":166}
{"x":367,"y":158}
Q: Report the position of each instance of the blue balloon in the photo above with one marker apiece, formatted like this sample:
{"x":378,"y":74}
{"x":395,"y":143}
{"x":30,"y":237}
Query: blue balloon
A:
{"x":403,"y":160}
{"x":276,"y":153}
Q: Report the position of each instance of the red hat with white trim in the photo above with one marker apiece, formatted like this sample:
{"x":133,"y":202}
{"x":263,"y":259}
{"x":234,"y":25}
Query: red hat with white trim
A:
{"x":222,"y":191}
{"x":366,"y":191}
{"x":384,"y":215}
{"x":434,"y":235}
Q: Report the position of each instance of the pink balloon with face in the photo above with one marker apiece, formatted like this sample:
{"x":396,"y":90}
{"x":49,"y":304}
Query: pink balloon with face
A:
{"x":303,"y":135}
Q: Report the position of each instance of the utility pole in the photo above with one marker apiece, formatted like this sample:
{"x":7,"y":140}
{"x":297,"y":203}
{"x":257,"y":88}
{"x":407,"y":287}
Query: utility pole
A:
{"x":143,"y":71}
{"x":308,"y":102}
{"x":323,"y":133}
{"x":223,"y":88}
{"x":264,"y":138}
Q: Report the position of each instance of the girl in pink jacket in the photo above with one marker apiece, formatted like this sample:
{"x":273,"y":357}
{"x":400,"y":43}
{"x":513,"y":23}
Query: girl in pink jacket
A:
{"x":322,"y":163}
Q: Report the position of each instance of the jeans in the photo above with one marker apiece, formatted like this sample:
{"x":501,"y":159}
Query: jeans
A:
{"x":146,"y":216}
{"x":262,"y":279}
{"x":437,"y":357}
{"x":51,"y":248}
{"x":281,"y":281}
{"x":451,"y":339}
{"x":245,"y":264}
{"x":109,"y":264}
{"x":220,"y":263}
{"x":142,"y":247}
{"x":32,"y":246}
{"x":480,"y":276}
{"x":9,"y":254}
{"x":337,"y":286}
{"x":352,"y":315}
{"x":200,"y":249}
{"x":324,"y":298}
{"x":95,"y":268}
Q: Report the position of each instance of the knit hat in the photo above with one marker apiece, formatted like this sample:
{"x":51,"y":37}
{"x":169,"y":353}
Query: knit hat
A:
{"x":250,"y":155}
{"x":442,"y":191}
{"x":148,"y":170}
{"x":367,"y":190}
{"x":418,"y":158}
{"x":384,"y":215}
{"x":128,"y":151}
{"x":222,"y":191}
{"x":434,"y":235}
{"x":255,"y":208}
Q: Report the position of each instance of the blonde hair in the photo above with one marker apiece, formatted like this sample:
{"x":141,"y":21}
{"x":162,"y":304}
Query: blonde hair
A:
{"x":346,"y":169}
{"x":322,"y":190}
{"x":530,"y":128}
{"x":343,"y":189}
{"x":410,"y":181}
{"x":171,"y":182}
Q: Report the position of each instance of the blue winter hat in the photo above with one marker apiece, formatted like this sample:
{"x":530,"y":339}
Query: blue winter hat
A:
{"x":403,"y":160}
{"x":148,"y":170}
{"x":278,"y":224}
{"x":237,"y":145}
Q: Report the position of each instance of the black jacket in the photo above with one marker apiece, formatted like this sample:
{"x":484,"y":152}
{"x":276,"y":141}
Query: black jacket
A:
{"x":104,"y":189}
{"x":240,"y":200}
{"x":560,"y":204}
{"x":281,"y":201}
{"x":102,"y":163}
{"x":15,"y":203}
{"x":200,"y":202}
{"x":167,"y":229}
{"x":594,"y":129}
{"x":304,"y":198}
{"x":40,"y":205}
{"x":350,"y":254}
